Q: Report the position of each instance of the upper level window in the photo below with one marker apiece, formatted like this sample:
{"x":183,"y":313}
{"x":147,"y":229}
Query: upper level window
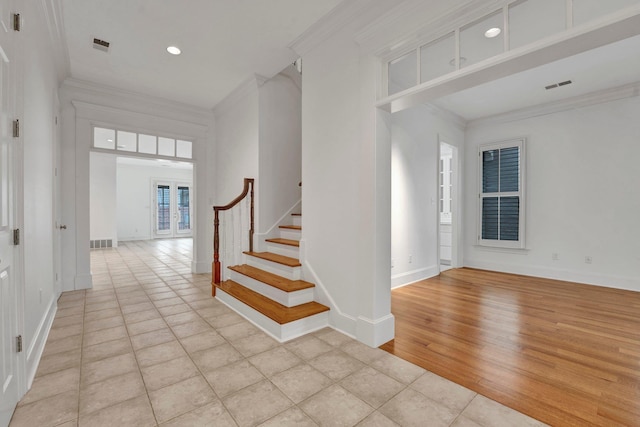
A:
{"x":501,"y":207}
{"x":111,"y":139}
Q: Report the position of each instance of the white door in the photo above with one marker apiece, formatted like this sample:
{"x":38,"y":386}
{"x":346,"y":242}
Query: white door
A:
{"x":9,"y":389}
{"x":173,"y":209}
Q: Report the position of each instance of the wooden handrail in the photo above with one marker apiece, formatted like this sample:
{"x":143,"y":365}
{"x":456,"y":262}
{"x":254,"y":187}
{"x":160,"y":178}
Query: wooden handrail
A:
{"x":248,"y":189}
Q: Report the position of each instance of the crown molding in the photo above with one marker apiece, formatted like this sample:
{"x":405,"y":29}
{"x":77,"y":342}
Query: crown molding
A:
{"x":251,"y":85}
{"x":52,"y":11}
{"x":183,"y":128}
{"x":75,"y":87}
{"x":449,"y":116}
{"x":334,"y":21}
{"x":581,"y":101}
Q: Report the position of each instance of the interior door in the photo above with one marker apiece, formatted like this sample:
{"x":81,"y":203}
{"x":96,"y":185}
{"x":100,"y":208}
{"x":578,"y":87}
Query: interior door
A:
{"x":9,"y":389}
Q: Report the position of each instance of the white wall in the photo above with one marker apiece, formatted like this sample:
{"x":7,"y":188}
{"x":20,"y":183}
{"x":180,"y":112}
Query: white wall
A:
{"x":103,"y":199}
{"x":135,"y":197}
{"x":40,"y":85}
{"x":581,"y":194}
{"x":279,"y":149}
{"x":416,"y":135}
{"x":237,"y":135}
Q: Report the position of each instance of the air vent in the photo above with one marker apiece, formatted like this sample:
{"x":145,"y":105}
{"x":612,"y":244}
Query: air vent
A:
{"x":555,"y":85}
{"x":101,"y":45}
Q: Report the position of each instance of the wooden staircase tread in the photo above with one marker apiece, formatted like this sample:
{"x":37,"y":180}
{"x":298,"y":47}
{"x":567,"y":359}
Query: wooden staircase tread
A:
{"x":280,"y":259}
{"x":291,"y":227}
{"x":273,"y":310}
{"x":271,"y":279}
{"x":287,"y":242}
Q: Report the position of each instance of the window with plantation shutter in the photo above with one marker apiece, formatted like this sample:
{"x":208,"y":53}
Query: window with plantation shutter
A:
{"x":501,"y":195}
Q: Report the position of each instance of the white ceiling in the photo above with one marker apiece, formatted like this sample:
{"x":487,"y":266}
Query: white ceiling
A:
{"x":603,"y":68}
{"x":223,"y":42}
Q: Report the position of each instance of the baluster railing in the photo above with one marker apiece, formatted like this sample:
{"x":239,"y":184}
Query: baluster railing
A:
{"x":248,"y":189}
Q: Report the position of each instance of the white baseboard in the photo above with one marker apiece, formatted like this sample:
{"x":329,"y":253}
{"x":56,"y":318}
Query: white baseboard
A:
{"x":83,"y":282}
{"x":36,"y":347}
{"x":588,"y":278}
{"x":201,"y":267}
{"x":409,"y":277}
{"x":375,"y":332}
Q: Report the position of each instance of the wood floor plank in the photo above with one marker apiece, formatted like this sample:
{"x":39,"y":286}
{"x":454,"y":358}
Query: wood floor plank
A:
{"x":561,"y":352}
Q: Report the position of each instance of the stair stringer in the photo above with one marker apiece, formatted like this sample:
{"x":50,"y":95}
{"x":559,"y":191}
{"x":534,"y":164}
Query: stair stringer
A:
{"x":338,"y":319}
{"x":259,"y":239}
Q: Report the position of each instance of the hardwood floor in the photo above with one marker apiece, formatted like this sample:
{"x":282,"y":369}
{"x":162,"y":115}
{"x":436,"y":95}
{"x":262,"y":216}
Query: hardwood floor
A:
{"x":564,"y":353}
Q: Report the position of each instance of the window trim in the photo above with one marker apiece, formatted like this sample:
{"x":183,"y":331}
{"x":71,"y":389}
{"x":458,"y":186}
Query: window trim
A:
{"x":508,"y":244}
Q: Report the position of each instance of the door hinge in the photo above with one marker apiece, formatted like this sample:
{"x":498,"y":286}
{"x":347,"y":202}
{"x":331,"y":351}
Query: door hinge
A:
{"x":16,"y":22}
{"x":16,"y":128}
{"x":19,"y":344}
{"x":16,"y":236}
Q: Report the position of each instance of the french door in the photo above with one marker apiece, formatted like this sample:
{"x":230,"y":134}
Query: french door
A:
{"x":173,"y":209}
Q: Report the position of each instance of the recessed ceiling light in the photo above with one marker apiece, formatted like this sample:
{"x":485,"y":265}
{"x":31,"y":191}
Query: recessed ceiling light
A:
{"x":109,"y":140}
{"x":173,"y":50}
{"x":492,"y":32}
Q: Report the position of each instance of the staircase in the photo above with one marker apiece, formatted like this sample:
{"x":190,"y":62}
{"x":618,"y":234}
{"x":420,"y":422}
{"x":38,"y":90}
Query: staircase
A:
{"x":268,"y":289}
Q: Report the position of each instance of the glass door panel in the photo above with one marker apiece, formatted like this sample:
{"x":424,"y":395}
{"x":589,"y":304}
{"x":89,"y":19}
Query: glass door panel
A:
{"x":184,"y":209}
{"x":163,"y":210}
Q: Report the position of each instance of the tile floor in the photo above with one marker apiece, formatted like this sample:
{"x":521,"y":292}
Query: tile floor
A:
{"x":149,"y":346}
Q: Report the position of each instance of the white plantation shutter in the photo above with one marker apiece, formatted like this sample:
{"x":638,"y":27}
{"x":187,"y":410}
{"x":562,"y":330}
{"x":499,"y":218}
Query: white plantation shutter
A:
{"x":501,"y":196}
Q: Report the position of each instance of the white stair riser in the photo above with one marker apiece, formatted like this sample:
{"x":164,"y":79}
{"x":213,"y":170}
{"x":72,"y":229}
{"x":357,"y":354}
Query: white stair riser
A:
{"x":286,"y":250}
{"x":291,"y":273}
{"x":281,"y":333}
{"x":287,"y":233}
{"x":289,"y":299}
{"x":297,"y":220}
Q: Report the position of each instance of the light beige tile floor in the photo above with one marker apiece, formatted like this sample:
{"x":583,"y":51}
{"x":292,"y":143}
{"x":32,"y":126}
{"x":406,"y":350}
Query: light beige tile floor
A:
{"x":149,"y":346}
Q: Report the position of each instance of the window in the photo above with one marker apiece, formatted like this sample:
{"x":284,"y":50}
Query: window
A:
{"x":111,"y":139}
{"x":501,"y":196}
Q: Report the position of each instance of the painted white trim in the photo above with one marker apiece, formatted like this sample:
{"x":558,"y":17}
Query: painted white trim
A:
{"x":274,"y":231}
{"x":414,"y":276}
{"x":280,"y":333}
{"x":331,"y":23}
{"x":449,"y":116}
{"x":201,"y":267}
{"x":89,"y":111}
{"x":375,"y":332}
{"x":338,"y":319}
{"x":249,"y":86}
{"x":588,"y":278}
{"x":82,"y":281}
{"x":35,"y":350}
{"x":610,"y":29}
{"x":593,"y":98}
{"x":179,"y":111}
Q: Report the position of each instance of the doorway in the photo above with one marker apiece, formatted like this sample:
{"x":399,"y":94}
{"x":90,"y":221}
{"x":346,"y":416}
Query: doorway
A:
{"x":172,"y":214}
{"x":448,"y":206}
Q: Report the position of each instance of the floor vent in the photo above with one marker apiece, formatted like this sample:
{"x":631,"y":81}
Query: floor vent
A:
{"x":99,"y":244}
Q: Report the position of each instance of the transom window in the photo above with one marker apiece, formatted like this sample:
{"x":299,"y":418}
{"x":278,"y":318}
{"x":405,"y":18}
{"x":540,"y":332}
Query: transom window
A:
{"x":501,"y":196}
{"x":119,"y":140}
{"x":518,"y":23}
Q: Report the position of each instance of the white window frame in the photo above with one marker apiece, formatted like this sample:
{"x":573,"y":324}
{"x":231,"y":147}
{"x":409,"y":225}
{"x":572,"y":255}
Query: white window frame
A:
{"x":519,"y":244}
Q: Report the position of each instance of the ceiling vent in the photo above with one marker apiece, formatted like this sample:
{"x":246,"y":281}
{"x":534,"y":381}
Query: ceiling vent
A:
{"x":101,"y":45}
{"x":555,"y":85}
